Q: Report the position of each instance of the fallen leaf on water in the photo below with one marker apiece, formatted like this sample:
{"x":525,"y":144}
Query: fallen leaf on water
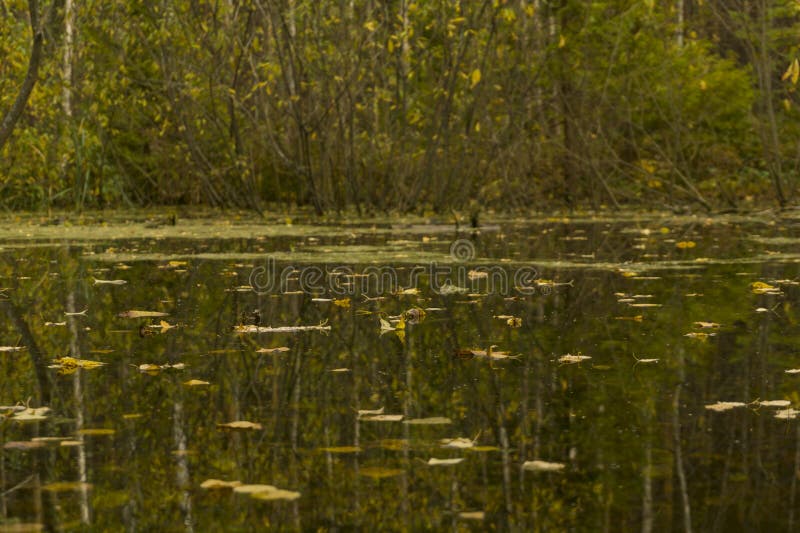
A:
{"x":340,"y":449}
{"x":279,"y":349}
{"x":570,"y":359}
{"x":792,"y":371}
{"x":706,"y":324}
{"x":31,"y":414}
{"x":514,"y":322}
{"x":141,"y":314}
{"x":280,"y":329}
{"x":250,"y":489}
{"x":724,"y":406}
{"x":459,"y":442}
{"x":759,"y":287}
{"x":362,"y":412}
{"x":23,"y":445}
{"x":685,"y":244}
{"x":434,"y":420}
{"x":217,"y":484}
{"x":380,"y":472}
{"x":11,"y":348}
{"x":67,"y":364}
{"x":472,"y":515}
{"x":381,"y":418}
{"x":278,"y":494}
{"x":699,"y":335}
{"x":96,"y":432}
{"x":543,"y":466}
{"x":637,"y":318}
{"x":787,"y":414}
{"x":109,"y":281}
{"x":444,"y":462}
{"x":240,"y":424}
{"x":196,"y":383}
{"x":343,"y":303}
{"x":644,"y":305}
{"x":339,"y":370}
{"x":773,"y":403}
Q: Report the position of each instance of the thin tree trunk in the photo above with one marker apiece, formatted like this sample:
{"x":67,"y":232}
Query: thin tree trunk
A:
{"x":12,"y":116}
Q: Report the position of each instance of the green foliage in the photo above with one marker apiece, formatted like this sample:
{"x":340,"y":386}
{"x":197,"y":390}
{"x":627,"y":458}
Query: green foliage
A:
{"x":403,"y":104}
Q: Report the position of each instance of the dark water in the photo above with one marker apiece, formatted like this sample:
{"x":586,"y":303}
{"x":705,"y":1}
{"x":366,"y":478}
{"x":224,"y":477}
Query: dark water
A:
{"x":634,"y":446}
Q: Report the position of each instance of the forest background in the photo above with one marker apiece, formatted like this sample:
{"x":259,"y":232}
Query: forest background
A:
{"x":400,"y":105}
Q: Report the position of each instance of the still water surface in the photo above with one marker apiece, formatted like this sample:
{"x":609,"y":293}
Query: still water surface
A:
{"x":400,"y":409}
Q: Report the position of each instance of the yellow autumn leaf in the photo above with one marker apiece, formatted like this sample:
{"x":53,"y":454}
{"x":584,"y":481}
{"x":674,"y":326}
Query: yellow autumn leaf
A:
{"x":475,"y":78}
{"x":562,"y":41}
{"x":343,"y":302}
{"x":683,"y":245}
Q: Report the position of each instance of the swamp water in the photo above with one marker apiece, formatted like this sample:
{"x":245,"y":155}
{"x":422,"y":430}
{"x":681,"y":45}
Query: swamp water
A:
{"x":555,"y":374}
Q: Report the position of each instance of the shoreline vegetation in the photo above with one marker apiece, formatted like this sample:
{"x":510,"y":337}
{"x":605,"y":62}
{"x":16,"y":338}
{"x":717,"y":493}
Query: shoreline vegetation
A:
{"x":403,"y":107}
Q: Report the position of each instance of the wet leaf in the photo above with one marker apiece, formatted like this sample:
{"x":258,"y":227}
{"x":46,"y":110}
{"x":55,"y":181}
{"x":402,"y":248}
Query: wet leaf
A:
{"x":792,"y":371}
{"x":724,"y":406}
{"x":363,"y":412}
{"x":459,"y":443}
{"x":11,"y":348}
{"x":280,"y":329}
{"x":196,"y":383}
{"x":472,"y":515}
{"x":96,"y":432}
{"x":570,"y":359}
{"x":340,"y":449}
{"x":787,"y":414}
{"x":444,"y":462}
{"x":514,"y":322}
{"x":380,"y":472}
{"x":683,"y":245}
{"x":24,"y":445}
{"x":141,"y":314}
{"x":251,"y":489}
{"x":31,"y":414}
{"x":773,"y":403}
{"x":70,"y":364}
{"x":343,"y":303}
{"x":706,"y":324}
{"x":543,"y":466}
{"x":430,"y":421}
{"x":218,"y":484}
{"x":278,"y":494}
{"x":109,"y":281}
{"x":240,"y":425}
{"x":381,"y":418}
{"x":279,"y":349}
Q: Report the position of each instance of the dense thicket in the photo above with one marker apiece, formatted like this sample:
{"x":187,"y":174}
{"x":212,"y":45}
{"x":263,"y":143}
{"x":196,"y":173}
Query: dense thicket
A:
{"x":402,"y":104}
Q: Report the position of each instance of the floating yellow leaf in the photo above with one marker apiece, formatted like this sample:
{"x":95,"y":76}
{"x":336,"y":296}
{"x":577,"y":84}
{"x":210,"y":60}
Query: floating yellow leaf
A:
{"x":380,"y":472}
{"x":444,"y":462}
{"x":278,"y":494}
{"x":381,"y":418}
{"x":543,"y":466}
{"x":514,"y":322}
{"x":340,"y":449}
{"x":434,"y":420}
{"x":472,"y":515}
{"x":96,"y":432}
{"x":11,"y":348}
{"x":273,"y":350}
{"x":31,"y":414}
{"x":759,"y":287}
{"x":570,"y":359}
{"x":685,"y":244}
{"x":250,"y":489}
{"x":217,"y":484}
{"x":134,"y":313}
{"x":773,"y":403}
{"x":240,"y":425}
{"x":196,"y":383}
{"x":724,"y":406}
{"x":787,"y":414}
{"x":706,"y":324}
{"x":459,"y":443}
{"x":343,"y":303}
